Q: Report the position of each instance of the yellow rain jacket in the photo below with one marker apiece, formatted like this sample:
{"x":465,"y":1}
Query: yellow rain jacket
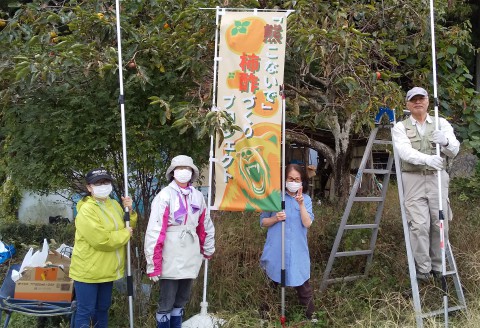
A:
{"x":100,"y":238}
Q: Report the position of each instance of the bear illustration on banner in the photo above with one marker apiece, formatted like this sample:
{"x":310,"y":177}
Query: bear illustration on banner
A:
{"x":256,"y":172}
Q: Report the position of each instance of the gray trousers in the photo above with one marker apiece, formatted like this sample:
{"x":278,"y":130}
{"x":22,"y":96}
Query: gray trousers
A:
{"x":173,"y":294}
{"x":422,"y":209}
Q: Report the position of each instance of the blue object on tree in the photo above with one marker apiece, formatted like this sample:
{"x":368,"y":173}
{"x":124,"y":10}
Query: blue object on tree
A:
{"x":385,"y":111}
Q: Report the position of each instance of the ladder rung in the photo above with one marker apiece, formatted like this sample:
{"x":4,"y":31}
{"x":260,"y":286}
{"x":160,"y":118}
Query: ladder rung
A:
{"x":367,"y":199}
{"x":353,"y":253}
{"x":441,"y":311}
{"x":361,"y":226}
{"x":345,"y":279}
{"x":382,"y":142}
{"x":376,"y":171}
{"x":450,"y":273}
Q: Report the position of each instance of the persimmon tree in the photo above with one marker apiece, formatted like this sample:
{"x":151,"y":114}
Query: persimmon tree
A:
{"x":59,"y":81}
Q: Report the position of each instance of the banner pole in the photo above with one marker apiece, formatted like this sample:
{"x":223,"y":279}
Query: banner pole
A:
{"x":439,"y":175}
{"x":283,"y":319}
{"x":121,"y":101}
{"x":204,"y":304}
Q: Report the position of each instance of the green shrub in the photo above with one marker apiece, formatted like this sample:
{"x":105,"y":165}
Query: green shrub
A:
{"x":467,"y":189}
{"x":23,"y":235}
{"x":9,"y":202}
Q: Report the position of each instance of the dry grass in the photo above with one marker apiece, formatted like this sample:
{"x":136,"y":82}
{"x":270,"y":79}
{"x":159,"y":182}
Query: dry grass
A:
{"x":238,"y":287}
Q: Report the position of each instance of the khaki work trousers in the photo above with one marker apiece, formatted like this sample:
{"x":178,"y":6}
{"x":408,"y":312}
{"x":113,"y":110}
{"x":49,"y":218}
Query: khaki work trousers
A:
{"x":422,"y":209}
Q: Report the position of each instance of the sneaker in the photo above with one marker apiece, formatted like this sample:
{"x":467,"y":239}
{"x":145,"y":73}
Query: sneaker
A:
{"x":423,"y":276}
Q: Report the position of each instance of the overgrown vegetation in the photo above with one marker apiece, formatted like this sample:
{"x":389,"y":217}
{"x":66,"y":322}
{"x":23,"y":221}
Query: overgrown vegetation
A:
{"x":468,"y":188}
{"x":59,"y":83}
{"x":238,"y":287}
{"x":9,"y":201}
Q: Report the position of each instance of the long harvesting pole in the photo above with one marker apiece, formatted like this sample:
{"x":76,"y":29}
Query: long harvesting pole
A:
{"x":121,"y":101}
{"x":283,"y":319}
{"x":439,"y":175}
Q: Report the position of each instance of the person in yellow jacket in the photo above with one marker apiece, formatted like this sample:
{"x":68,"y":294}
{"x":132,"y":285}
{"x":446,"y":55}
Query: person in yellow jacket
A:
{"x":98,"y":257}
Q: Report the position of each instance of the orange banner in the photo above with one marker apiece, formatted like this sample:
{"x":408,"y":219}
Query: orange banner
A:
{"x":250,"y":73}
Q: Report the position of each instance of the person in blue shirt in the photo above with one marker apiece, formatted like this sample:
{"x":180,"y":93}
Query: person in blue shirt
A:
{"x":298,"y":217}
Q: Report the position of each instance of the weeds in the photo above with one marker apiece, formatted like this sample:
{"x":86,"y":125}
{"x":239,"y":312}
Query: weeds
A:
{"x":238,"y":289}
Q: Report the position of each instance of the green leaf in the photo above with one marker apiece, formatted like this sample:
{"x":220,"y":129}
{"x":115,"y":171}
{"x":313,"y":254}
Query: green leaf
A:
{"x":53,"y":18}
{"x":22,"y":73}
{"x":473,"y":127}
{"x":33,"y":40}
{"x":452,"y":50}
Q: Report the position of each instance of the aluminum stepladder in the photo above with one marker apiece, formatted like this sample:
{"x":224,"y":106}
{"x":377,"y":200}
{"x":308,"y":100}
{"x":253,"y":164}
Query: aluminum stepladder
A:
{"x":451,"y":265}
{"x":380,"y":200}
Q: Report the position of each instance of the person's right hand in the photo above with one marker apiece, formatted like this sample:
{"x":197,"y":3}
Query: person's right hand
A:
{"x":154,"y":278}
{"x":130,"y":229}
{"x":280,"y":216}
{"x":435,"y":161}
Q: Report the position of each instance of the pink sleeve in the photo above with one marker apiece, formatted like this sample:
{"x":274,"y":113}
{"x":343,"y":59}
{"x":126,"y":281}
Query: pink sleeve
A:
{"x":158,"y":249}
{"x":201,"y":231}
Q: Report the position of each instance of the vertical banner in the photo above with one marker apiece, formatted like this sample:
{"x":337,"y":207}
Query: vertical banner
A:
{"x":250,"y":72}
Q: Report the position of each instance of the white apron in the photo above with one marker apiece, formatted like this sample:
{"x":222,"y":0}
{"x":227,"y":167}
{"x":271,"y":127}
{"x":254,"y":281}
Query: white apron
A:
{"x":181,"y":253}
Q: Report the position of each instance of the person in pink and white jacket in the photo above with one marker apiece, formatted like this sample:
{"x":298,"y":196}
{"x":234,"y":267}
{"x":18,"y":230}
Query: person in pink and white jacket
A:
{"x":179,"y":236}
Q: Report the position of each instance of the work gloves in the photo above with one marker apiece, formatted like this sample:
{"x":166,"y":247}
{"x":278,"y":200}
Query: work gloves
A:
{"x":435,"y":161}
{"x":439,"y":137}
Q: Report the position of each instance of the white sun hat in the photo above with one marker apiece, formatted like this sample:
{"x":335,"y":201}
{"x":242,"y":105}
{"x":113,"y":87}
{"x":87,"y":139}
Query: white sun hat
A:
{"x":182,"y":160}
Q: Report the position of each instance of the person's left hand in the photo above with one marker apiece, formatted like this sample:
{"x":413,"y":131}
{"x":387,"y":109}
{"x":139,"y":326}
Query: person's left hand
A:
{"x":439,"y":137}
{"x":127,"y":202}
{"x":299,"y":196}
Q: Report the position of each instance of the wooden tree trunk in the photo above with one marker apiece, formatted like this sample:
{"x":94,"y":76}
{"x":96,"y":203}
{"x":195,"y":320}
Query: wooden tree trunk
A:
{"x":340,"y":187}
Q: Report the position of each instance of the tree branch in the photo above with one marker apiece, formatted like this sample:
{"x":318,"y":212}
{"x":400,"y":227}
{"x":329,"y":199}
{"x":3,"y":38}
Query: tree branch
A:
{"x":302,"y":139}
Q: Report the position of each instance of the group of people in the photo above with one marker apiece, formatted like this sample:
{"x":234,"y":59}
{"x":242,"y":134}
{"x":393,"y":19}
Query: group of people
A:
{"x":178,"y":237}
{"x":180,"y":234}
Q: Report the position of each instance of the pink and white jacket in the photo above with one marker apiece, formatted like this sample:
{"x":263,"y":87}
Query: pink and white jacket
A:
{"x":179,"y":234}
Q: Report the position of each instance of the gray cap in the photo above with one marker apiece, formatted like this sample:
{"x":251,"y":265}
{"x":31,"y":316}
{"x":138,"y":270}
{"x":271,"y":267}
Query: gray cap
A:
{"x":415,"y":92}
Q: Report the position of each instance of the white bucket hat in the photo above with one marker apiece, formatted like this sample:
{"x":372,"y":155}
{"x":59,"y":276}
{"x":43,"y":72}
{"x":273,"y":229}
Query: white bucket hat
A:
{"x":182,"y":160}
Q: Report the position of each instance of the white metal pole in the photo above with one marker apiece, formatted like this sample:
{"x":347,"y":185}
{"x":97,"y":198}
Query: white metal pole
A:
{"x":121,"y":100}
{"x":204,"y":304}
{"x":439,"y":175}
{"x":282,"y":273}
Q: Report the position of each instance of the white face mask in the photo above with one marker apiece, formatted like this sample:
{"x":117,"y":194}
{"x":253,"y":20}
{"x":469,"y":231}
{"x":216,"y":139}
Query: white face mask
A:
{"x":293,"y":186}
{"x":182,"y":175}
{"x":102,"y":191}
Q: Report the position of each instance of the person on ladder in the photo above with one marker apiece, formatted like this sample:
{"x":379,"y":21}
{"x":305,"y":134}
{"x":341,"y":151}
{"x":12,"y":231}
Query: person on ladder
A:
{"x":415,"y":141}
